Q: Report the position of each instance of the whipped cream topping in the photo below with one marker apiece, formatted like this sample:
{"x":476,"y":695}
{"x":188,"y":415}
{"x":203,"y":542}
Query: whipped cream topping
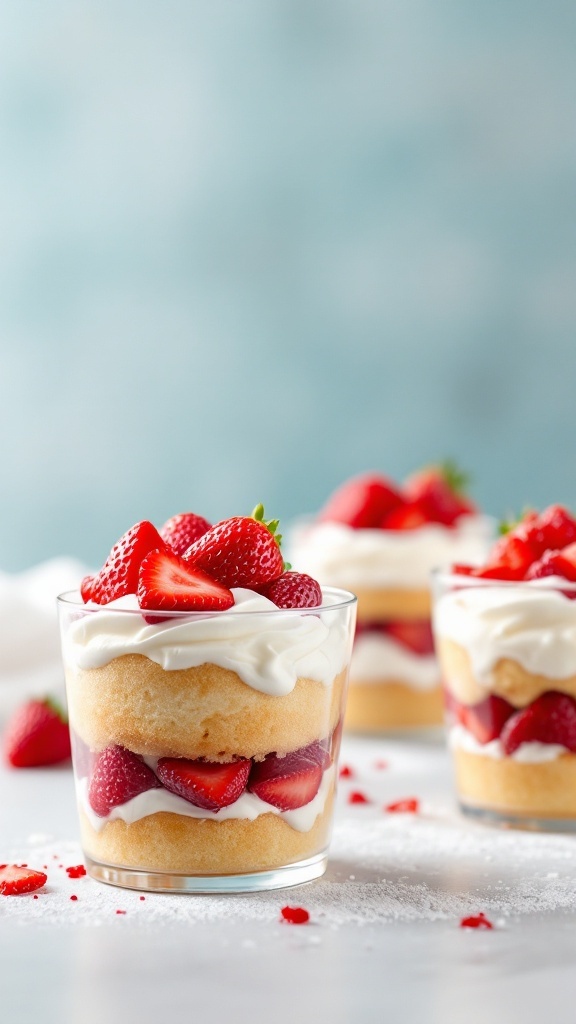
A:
{"x":269,"y":648}
{"x":530,"y":623}
{"x":248,"y":806}
{"x":377,"y":658}
{"x":340,"y":556}
{"x":527,"y":753}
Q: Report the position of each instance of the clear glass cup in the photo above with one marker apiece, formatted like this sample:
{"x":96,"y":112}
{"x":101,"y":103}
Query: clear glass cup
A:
{"x":508,"y":656}
{"x":205,"y":745}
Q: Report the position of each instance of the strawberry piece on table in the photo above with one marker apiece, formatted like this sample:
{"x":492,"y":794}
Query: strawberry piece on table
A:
{"x":182,"y":530}
{"x":362,"y":502}
{"x":438,"y":490}
{"x":168,"y":583}
{"x":293,"y":590}
{"x":118,"y":775}
{"x":15,"y":880}
{"x":291,"y":781}
{"x":408,"y":805}
{"x":242,"y":551}
{"x":294,"y":915}
{"x":415,"y":635}
{"x":119,"y":574}
{"x":551,"y":718}
{"x":205,"y":784}
{"x":37,"y":735}
{"x":411,"y":515}
{"x":486,"y":719}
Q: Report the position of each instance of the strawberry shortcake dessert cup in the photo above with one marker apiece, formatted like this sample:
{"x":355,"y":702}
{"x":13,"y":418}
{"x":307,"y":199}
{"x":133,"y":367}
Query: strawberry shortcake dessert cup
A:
{"x":206,"y":688}
{"x":381,"y":540}
{"x":506,"y":638}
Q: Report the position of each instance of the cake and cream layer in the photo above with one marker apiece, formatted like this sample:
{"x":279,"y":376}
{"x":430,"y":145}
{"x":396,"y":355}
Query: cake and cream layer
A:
{"x":510,"y":786}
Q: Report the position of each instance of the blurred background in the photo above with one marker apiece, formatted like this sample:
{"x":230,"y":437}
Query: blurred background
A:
{"x":248,"y":249}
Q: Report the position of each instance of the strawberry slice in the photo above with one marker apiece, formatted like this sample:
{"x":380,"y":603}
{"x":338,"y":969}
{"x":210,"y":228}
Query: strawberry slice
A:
{"x":180,"y":531}
{"x":551,"y":718}
{"x":415,"y":635}
{"x":291,"y":781}
{"x":15,"y":880}
{"x":362,"y":502}
{"x":510,"y":559}
{"x":168,"y":583}
{"x":408,"y":516}
{"x":37,"y":735}
{"x":205,"y":784}
{"x":119,"y":574}
{"x":486,"y":719}
{"x":438,"y":490}
{"x":239,"y":552}
{"x":118,"y":775}
{"x":293,"y":590}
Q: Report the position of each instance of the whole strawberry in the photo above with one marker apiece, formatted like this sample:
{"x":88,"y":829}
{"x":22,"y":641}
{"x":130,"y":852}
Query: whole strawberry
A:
{"x":119,"y":574}
{"x":293,"y":590}
{"x":37,"y":735}
{"x":239,"y":552}
{"x":182,"y":530}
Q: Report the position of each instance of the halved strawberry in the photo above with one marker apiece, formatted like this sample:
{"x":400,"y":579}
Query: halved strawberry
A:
{"x":415,"y":635}
{"x":510,"y":559}
{"x":408,"y":516}
{"x":118,"y":775}
{"x":551,"y":718}
{"x":16,"y":880}
{"x":291,"y":781}
{"x":180,"y":531}
{"x":486,"y":719}
{"x":205,"y":784}
{"x":37,"y":735}
{"x":293,"y":590}
{"x":168,"y":583}
{"x":439,"y":491}
{"x":362,"y":502}
{"x":119,"y":574}
{"x":239,"y":552}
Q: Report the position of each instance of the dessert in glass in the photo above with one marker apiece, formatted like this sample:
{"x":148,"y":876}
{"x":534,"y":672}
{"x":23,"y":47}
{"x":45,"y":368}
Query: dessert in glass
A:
{"x":381,"y":540}
{"x":506,"y":639}
{"x":206,"y":687}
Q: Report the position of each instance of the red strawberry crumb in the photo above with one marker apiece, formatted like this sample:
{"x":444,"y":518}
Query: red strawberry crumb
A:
{"x":476,"y":921}
{"x":120,"y":911}
{"x":346,"y":772}
{"x":294,"y":915}
{"x":142,"y":897}
{"x":73,"y":897}
{"x":410,"y":805}
{"x":35,"y":896}
{"x":76,"y":872}
{"x":356,"y":797}
{"x":380,"y":765}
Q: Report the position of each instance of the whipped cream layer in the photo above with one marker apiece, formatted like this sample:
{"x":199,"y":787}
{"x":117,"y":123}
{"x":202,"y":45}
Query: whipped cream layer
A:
{"x":527,"y":753}
{"x":339,"y":556}
{"x":530,"y":623}
{"x":269,"y":648}
{"x":377,"y":658}
{"x":248,"y":806}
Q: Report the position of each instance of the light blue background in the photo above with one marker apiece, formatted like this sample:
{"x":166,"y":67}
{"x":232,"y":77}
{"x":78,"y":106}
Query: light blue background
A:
{"x":249,"y":248}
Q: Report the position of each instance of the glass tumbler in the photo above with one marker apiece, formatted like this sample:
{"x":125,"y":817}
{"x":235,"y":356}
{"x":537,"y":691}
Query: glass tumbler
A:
{"x":508,"y":656}
{"x":205,"y":744}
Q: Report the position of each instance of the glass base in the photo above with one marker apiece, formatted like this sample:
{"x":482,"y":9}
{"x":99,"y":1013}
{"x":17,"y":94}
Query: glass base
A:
{"x":169,"y":881}
{"x":529,"y":823}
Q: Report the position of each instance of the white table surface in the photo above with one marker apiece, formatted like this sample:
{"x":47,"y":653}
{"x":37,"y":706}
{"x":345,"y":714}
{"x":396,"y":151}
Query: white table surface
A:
{"x":383,"y":944}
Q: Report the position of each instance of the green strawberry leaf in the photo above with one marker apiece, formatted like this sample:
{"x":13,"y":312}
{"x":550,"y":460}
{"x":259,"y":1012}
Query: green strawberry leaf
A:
{"x":270,"y":524}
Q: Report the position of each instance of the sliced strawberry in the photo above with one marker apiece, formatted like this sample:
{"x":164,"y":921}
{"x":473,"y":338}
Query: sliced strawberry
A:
{"x":119,"y":574}
{"x":37,"y":735}
{"x":551,"y":718}
{"x":205,"y":784}
{"x":409,"y":805}
{"x":486,"y":719}
{"x":408,"y":516}
{"x":362,"y":502}
{"x":118,"y":775}
{"x":438,"y":490}
{"x":415,"y":635}
{"x":86,"y":588}
{"x":180,"y":531}
{"x":291,"y":781}
{"x":15,"y":880}
{"x":168,"y":583}
{"x":239,"y":552}
{"x":510,"y":560}
{"x":293,"y":590}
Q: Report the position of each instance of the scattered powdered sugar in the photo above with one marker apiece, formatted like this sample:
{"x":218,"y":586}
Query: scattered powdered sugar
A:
{"x":384,"y":868}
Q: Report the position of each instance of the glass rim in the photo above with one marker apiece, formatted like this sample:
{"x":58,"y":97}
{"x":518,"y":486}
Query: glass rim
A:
{"x":461,"y":580}
{"x":73,"y":599}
